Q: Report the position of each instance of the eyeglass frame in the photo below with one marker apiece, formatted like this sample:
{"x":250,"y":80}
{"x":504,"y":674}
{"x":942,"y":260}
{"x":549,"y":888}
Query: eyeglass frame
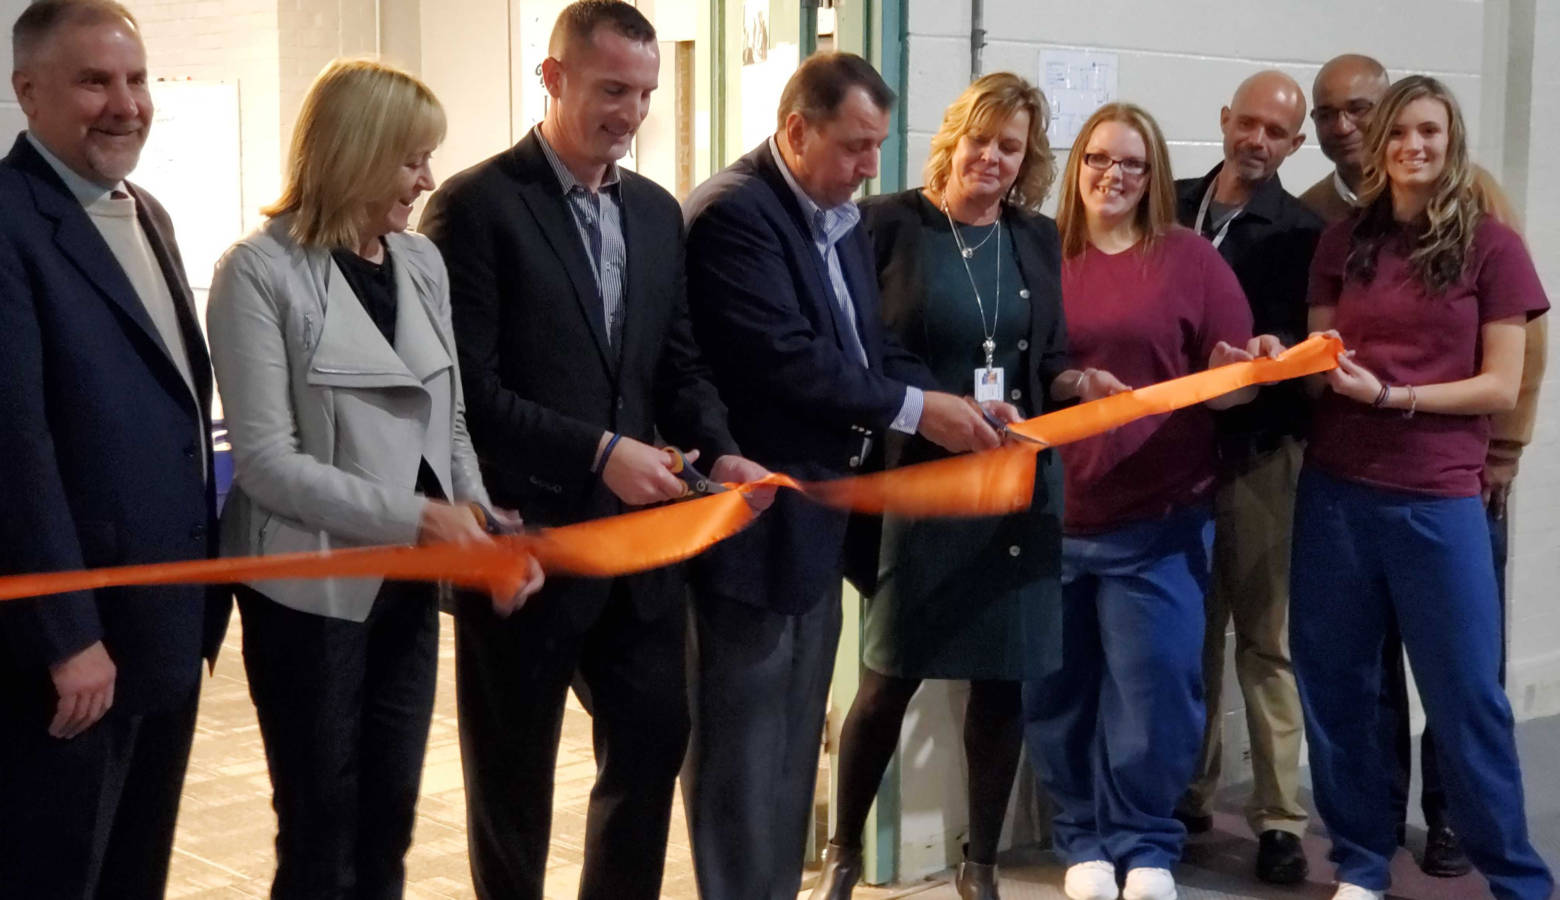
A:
{"x":1324,"y":116}
{"x":1118,"y":163}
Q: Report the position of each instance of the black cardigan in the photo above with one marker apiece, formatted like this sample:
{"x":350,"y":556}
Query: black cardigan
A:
{"x":896,"y":223}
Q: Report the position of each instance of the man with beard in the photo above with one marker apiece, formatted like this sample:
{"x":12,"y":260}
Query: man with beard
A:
{"x":1267,"y":237}
{"x":103,"y":416}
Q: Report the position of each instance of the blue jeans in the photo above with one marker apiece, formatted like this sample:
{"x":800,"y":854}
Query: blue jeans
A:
{"x":1115,"y":730}
{"x":1364,"y":558}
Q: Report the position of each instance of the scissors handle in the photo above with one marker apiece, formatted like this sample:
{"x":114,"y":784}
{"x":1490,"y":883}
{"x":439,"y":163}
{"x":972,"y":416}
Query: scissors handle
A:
{"x":697,"y":482}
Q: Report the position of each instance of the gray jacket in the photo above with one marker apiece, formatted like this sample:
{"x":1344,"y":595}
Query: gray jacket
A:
{"x":328,"y":421}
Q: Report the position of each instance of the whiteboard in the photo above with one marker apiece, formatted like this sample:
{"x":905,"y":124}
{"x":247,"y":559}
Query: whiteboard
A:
{"x":191,"y":165}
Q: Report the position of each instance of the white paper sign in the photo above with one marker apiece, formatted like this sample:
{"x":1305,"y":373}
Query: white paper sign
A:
{"x":1076,"y":83}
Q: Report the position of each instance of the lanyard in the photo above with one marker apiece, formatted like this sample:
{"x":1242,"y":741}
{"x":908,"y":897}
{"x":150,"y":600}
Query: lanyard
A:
{"x":1202,"y":213}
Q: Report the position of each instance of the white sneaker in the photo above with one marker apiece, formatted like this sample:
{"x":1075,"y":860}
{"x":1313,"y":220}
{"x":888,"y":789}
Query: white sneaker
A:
{"x":1347,"y":891}
{"x":1149,"y":884}
{"x":1092,"y":880}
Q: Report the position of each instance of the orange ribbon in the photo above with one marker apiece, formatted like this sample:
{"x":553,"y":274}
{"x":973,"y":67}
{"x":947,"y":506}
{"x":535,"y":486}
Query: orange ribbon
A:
{"x":991,"y":483}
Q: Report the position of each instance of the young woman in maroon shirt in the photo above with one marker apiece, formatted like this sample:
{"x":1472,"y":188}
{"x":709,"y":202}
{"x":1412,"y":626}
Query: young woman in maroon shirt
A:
{"x":1115,"y":729}
{"x":1431,"y":297}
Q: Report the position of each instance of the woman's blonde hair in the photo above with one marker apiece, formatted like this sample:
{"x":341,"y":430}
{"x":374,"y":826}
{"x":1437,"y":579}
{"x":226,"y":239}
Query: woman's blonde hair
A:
{"x":983,"y":108}
{"x":1445,"y":229}
{"x":361,"y":119}
{"x":1155,"y":211}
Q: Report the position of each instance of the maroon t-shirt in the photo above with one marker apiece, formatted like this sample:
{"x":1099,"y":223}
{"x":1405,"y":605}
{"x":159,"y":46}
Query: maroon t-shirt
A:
{"x":1147,"y":317}
{"x":1405,"y":335}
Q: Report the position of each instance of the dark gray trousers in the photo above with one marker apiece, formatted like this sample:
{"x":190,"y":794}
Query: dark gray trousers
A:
{"x":759,"y":685}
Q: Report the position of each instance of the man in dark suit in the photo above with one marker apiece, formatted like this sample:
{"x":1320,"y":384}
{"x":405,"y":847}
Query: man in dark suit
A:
{"x":785,"y":305}
{"x":104,"y":395}
{"x":571,"y":321}
{"x":1268,"y":237}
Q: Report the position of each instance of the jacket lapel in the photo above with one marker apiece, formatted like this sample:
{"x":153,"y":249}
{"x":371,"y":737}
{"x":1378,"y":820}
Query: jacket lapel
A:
{"x":417,"y":342}
{"x":768,"y":168}
{"x":351,"y":352}
{"x":172,"y":267}
{"x":542,"y":194}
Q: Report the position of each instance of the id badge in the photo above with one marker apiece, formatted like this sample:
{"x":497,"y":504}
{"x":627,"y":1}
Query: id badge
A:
{"x":989,"y":384}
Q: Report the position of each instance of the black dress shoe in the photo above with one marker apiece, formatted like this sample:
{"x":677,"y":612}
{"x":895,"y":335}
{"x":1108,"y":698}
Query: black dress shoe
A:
{"x":1444,"y":856}
{"x":841,"y":871}
{"x":975,"y":881}
{"x":1195,"y":824}
{"x":1280,"y":859}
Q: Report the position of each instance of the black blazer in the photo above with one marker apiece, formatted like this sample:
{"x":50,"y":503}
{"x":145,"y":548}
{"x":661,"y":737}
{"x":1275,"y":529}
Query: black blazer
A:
{"x":101,"y":454}
{"x":1269,"y":245}
{"x":541,"y":381}
{"x":800,"y":401}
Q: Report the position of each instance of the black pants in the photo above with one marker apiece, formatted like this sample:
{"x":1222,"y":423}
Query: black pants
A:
{"x":512,"y":676}
{"x":1396,"y":733}
{"x":344,"y":709}
{"x":92,"y":816}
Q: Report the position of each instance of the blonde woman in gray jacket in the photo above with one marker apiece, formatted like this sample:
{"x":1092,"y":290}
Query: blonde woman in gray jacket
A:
{"x":331,"y":339}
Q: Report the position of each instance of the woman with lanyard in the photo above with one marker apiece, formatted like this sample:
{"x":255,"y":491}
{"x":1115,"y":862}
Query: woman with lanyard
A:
{"x":1116,"y":727}
{"x":1431,"y":296}
{"x":968,"y":271}
{"x":331,"y":340}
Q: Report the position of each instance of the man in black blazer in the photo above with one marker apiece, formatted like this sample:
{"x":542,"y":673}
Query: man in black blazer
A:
{"x":1268,"y":237}
{"x":785,"y":305}
{"x":104,"y":393}
{"x":571,"y":322}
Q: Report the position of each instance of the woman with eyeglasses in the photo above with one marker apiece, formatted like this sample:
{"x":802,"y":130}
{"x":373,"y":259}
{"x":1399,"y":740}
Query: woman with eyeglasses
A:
{"x":1116,"y":727}
{"x":1432,"y":296}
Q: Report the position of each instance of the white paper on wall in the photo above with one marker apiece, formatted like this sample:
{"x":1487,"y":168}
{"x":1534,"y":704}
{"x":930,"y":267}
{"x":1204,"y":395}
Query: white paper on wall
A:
{"x":1076,"y":83}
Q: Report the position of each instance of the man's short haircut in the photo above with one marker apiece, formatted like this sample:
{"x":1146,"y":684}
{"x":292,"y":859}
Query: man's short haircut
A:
{"x":41,"y":19}
{"x":578,"y":22}
{"x":820,"y":84}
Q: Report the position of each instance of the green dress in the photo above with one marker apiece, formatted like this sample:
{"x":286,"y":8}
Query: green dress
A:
{"x":971,"y":598}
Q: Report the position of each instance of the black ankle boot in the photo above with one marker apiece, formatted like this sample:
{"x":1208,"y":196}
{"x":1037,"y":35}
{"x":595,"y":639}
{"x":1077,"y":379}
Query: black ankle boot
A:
{"x":841,"y":871}
{"x":975,"y":881}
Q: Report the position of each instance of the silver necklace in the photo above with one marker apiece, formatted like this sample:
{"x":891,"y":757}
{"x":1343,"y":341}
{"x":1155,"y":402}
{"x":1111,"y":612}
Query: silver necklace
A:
{"x":966,"y":253}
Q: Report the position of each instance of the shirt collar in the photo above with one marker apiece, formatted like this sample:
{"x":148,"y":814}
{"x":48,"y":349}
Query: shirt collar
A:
{"x":566,"y":178}
{"x":86,"y":191}
{"x":1342,"y":187}
{"x":828,"y":225}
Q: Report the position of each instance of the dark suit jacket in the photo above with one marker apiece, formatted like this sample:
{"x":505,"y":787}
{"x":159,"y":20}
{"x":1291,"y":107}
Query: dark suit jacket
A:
{"x":541,"y":381}
{"x":102,"y":465}
{"x":1269,"y":245}
{"x":799,"y":398}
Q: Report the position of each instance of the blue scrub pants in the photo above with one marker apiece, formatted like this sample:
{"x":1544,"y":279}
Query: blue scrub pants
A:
{"x":1115,"y":730}
{"x":1364,"y":557}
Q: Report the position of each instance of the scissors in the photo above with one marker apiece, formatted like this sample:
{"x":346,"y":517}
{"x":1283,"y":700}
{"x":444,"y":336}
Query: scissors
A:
{"x":696,"y":483}
{"x":1005,"y":432}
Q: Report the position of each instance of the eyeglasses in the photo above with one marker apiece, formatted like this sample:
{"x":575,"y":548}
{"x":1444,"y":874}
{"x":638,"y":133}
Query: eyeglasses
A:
{"x":1356,"y":110}
{"x":1132,"y":167}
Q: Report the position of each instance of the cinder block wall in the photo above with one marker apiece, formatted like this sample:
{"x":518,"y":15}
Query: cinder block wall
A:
{"x":1181,"y":60}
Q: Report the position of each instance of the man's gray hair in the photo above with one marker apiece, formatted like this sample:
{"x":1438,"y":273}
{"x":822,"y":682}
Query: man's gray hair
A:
{"x":41,"y":19}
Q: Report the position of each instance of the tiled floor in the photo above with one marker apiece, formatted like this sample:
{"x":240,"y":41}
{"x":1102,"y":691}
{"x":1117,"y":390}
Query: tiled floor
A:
{"x":226,"y":824}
